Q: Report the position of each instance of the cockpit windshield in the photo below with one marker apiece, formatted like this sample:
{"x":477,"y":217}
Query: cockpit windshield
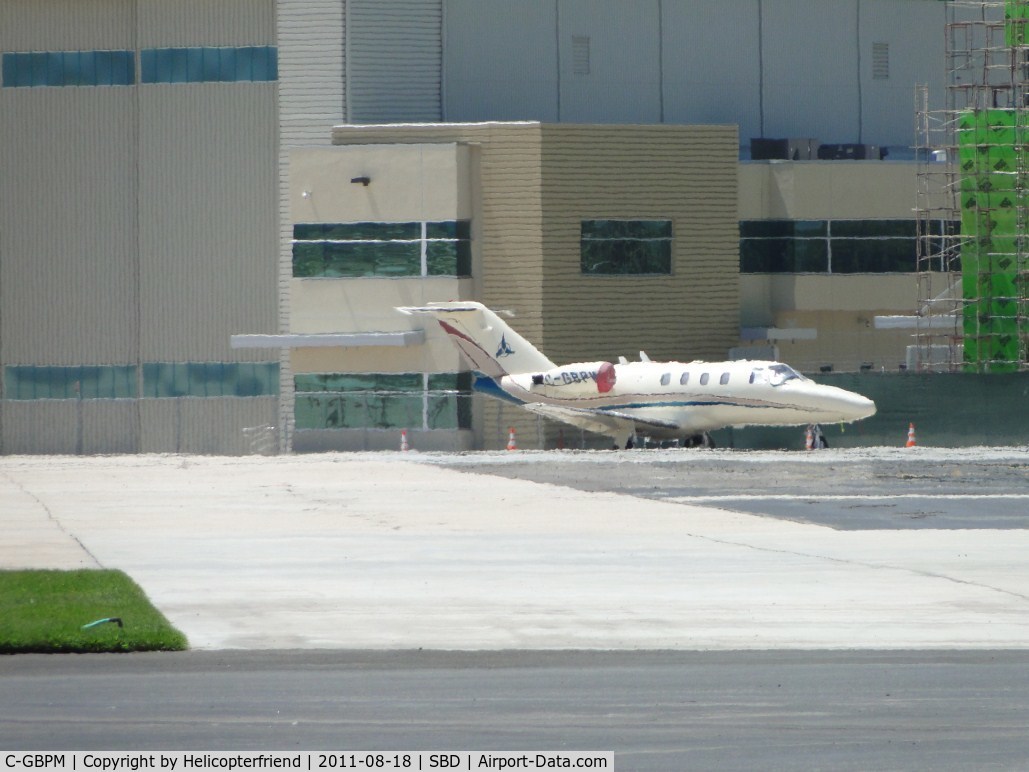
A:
{"x":775,"y":374}
{"x":778,"y":374}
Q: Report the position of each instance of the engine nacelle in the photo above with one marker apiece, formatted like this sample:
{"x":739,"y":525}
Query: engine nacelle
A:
{"x":575,"y":380}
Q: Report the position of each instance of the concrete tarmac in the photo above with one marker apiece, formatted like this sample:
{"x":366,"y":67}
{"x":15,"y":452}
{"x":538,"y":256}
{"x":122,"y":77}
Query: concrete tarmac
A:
{"x":406,"y":551}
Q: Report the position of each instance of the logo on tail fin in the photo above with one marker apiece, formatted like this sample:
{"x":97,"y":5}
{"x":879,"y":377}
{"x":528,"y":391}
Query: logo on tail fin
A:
{"x":504,"y":350}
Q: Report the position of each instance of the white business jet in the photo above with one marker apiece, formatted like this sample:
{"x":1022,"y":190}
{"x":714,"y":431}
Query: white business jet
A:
{"x":663,"y":400}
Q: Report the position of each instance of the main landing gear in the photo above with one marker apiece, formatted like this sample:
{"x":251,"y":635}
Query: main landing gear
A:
{"x":703,"y":440}
{"x":699,"y":441}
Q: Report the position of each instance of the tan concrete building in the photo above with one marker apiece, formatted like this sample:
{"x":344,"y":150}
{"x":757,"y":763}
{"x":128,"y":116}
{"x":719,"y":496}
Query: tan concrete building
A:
{"x":846,"y":254}
{"x":528,"y":218}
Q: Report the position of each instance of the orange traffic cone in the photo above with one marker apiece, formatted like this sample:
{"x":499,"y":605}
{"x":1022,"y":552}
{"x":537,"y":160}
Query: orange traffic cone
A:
{"x":511,"y":444}
{"x":911,"y":436}
{"x":403,"y":439}
{"x":809,"y":438}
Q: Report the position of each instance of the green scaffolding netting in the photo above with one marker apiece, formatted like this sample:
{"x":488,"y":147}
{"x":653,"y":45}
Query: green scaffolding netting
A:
{"x":993,"y":148}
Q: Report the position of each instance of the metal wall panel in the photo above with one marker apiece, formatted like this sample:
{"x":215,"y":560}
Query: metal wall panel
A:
{"x":500,"y":61}
{"x":67,"y":25}
{"x":810,"y":65}
{"x":711,"y":63}
{"x":394,"y":60}
{"x":207,"y":234}
{"x":914,"y":32}
{"x":210,"y":426}
{"x":777,"y":68}
{"x":620,"y":80}
{"x":204,"y":23}
{"x":68,"y":291}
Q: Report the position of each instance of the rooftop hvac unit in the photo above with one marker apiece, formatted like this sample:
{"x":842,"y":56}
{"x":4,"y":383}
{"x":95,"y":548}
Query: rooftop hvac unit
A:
{"x":790,"y":149}
{"x":851,"y":152}
{"x":763,"y":353}
{"x":934,"y":357}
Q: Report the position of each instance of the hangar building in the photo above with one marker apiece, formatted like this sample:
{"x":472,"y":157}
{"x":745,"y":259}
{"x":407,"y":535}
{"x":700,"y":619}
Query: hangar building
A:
{"x":174,"y":173}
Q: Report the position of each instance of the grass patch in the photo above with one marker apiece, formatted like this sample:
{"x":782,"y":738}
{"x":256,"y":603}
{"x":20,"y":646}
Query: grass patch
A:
{"x":45,"y":611}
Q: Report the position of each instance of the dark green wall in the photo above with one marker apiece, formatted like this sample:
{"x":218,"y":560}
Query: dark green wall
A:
{"x":948,"y":410}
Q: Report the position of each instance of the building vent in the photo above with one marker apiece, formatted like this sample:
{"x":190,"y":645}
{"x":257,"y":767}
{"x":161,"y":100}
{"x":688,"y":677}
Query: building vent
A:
{"x":580,"y":54}
{"x":880,"y":61}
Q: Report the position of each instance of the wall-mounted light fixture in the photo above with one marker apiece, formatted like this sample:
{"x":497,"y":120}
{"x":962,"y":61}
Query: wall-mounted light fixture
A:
{"x":363,"y":180}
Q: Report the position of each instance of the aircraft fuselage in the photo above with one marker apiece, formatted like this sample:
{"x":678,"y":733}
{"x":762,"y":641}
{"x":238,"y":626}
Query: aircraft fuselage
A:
{"x":696,"y":396}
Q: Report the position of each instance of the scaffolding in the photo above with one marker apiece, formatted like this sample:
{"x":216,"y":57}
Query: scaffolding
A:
{"x":973,"y":195}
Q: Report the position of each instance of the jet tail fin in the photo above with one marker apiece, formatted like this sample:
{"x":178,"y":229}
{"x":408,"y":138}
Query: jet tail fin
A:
{"x":486,"y":340}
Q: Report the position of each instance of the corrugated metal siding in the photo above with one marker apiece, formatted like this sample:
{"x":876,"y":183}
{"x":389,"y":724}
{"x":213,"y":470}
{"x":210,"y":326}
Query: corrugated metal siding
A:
{"x":686,"y":174}
{"x":106,"y":187}
{"x":312,"y":98}
{"x":311,"y":84}
{"x":209,"y":426}
{"x":207,"y":238}
{"x":67,"y":226}
{"x":70,"y":426}
{"x":394,"y":60}
{"x":205,"y":23}
{"x":67,"y":25}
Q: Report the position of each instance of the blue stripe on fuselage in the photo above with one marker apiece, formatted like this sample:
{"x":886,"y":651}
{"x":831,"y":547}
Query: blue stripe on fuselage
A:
{"x":491,"y":388}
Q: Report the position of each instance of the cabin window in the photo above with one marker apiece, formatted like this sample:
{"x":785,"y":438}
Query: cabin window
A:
{"x":704,"y":379}
{"x":724,"y":379}
{"x":684,"y":379}
{"x":666,"y":379}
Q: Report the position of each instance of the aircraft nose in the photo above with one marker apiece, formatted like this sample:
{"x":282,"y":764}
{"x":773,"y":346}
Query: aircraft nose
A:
{"x":864,"y":406}
{"x":856,"y":406}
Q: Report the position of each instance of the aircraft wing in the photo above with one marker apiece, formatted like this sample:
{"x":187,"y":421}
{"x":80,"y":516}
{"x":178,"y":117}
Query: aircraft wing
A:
{"x":590,"y":420}
{"x":601,"y":422}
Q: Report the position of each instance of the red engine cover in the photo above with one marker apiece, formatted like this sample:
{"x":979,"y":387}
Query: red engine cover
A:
{"x":606,"y":377}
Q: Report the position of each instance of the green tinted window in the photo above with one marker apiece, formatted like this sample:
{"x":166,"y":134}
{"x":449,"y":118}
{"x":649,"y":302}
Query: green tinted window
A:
{"x":873,"y":229}
{"x":358,"y":231}
{"x":784,"y":256}
{"x":872,"y":256}
{"x":836,"y":246}
{"x":345,"y":382}
{"x":77,"y":382}
{"x":208,"y":65}
{"x":626,"y":247}
{"x":367,"y":249}
{"x":69,"y":68}
{"x":783,"y":229}
{"x":383,"y":401}
{"x":210,"y":379}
